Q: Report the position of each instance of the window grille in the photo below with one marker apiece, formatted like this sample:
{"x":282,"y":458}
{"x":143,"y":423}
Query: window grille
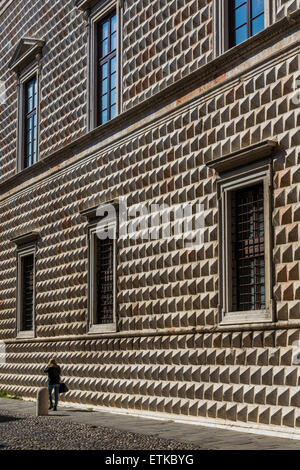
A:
{"x":248,"y":249}
{"x":105,"y":280}
{"x":27,"y":292}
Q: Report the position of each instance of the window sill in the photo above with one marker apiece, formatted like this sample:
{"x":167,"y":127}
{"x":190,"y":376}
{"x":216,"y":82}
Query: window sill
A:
{"x":99,"y":329}
{"x":237,"y":318}
{"x":25,"y":335}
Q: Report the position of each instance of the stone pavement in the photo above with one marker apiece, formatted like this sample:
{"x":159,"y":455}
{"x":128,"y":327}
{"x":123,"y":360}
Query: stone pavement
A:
{"x":206,"y":437}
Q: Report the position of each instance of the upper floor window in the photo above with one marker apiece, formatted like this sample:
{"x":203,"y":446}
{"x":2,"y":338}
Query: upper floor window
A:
{"x":30,"y":122}
{"x":246,"y":18}
{"x":26,"y":62}
{"x":104,"y":60}
{"x":235,"y":21}
{"x":107,"y":68}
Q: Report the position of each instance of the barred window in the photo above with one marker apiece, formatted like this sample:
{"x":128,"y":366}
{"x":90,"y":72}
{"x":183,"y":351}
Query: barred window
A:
{"x":248,"y":249}
{"x":104,"y":281}
{"x":246,"y":18}
{"x":30,"y":127}
{"x":107,"y":68}
{"x":27,"y":293}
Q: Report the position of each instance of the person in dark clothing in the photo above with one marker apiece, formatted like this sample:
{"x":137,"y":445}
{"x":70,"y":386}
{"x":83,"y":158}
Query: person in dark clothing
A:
{"x":53,"y":371}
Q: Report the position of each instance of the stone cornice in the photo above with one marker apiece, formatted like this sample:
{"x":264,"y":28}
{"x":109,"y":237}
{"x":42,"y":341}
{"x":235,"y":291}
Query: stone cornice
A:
{"x":91,"y":212}
{"x":213,"y":69}
{"x":25,"y":238}
{"x":25,"y":52}
{"x":244,"y":156}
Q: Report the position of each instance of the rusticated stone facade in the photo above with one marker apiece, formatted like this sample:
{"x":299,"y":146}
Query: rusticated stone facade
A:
{"x":182,"y":108}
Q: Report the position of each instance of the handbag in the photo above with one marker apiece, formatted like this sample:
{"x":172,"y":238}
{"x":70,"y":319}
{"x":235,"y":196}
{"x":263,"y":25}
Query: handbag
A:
{"x":63,"y":388}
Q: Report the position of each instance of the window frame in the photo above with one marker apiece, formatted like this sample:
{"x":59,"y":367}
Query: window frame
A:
{"x":98,"y":14}
{"x":228,"y":183}
{"x":93,"y":326}
{"x":26,"y":77}
{"x":221,"y":20}
{"x":21,"y":254}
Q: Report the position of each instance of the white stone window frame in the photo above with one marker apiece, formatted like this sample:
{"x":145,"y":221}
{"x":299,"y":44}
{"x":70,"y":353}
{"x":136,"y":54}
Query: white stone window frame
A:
{"x":95,"y":16}
{"x":22,"y":253}
{"x":228,"y":183}
{"x":221,"y":24}
{"x":34,"y":71}
{"x":93,"y":327}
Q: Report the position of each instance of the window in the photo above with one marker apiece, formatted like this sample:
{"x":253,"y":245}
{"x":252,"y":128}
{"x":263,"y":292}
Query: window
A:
{"x":248,"y":272}
{"x":104,"y":60}
{"x":237,"y":20}
{"x":26,"y":293}
{"x":245,"y":245}
{"x":30,"y":122}
{"x":107,"y":68}
{"x":26,"y":62}
{"x":246,"y":18}
{"x":102,"y":278}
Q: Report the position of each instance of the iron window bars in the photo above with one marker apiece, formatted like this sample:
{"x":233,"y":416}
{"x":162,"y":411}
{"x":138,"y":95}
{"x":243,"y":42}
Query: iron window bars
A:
{"x":248,"y":249}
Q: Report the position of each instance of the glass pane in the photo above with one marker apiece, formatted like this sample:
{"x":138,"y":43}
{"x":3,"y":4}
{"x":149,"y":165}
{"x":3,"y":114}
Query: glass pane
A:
{"x":104,"y":70}
{"x":238,"y":3}
{"x":258,"y":24}
{"x":104,"y":34}
{"x":113,"y":97}
{"x":241,"y":16}
{"x":257,"y":7}
{"x":113,"y":111}
{"x":104,"y":87}
{"x":113,"y":81}
{"x":113,"y":64}
{"x":104,"y":102}
{"x":104,"y":48}
{"x":241,"y":34}
{"x":113,"y":23}
{"x":104,"y":116}
{"x":113,"y":44}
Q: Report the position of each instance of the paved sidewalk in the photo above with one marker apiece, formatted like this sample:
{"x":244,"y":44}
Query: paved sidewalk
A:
{"x":206,"y":437}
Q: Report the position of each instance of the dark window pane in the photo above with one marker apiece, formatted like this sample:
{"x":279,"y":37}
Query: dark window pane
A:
{"x":27,"y":293}
{"x":258,"y":24}
{"x":241,"y":35}
{"x":257,"y":7}
{"x":104,"y":281}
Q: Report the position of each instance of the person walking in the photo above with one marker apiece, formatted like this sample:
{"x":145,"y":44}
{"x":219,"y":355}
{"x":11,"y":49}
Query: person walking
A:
{"x":53,"y":371}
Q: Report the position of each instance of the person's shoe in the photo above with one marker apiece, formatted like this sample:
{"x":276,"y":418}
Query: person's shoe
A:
{"x":54,"y":408}
{"x":50,"y":407}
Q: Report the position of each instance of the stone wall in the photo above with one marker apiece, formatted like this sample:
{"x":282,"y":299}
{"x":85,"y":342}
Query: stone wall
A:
{"x":170,"y":354}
